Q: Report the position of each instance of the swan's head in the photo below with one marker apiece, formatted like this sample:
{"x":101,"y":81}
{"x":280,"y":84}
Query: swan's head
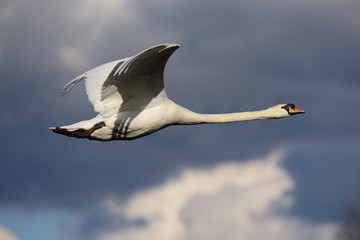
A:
{"x":284,"y":110}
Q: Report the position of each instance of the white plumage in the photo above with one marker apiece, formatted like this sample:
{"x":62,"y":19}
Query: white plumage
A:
{"x":130,"y":97}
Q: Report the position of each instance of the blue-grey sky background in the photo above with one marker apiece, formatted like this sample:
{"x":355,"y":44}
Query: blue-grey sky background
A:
{"x":233,"y":56}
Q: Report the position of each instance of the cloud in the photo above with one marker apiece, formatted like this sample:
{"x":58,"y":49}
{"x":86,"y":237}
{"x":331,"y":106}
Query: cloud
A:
{"x":329,"y":177}
{"x":93,"y":24}
{"x":88,"y":23}
{"x":5,"y":234}
{"x":228,"y":201}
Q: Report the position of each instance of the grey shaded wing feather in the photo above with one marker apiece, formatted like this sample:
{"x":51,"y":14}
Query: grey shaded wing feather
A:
{"x":126,"y":84}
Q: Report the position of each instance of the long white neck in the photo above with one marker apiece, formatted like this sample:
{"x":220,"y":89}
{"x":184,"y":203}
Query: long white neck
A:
{"x":186,"y":116}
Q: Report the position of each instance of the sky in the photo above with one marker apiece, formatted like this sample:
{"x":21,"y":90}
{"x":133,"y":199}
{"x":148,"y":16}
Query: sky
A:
{"x":284,"y":179}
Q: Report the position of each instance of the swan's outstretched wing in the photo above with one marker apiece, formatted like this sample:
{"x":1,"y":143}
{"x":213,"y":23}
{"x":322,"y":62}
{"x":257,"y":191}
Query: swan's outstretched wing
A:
{"x":127,"y":84}
{"x":94,"y":79}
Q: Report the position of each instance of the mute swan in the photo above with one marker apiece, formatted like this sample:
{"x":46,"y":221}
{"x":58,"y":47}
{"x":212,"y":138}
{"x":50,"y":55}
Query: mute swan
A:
{"x":130,"y":97}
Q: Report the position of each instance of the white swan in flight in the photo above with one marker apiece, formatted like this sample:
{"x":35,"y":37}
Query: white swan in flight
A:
{"x":130,"y":97}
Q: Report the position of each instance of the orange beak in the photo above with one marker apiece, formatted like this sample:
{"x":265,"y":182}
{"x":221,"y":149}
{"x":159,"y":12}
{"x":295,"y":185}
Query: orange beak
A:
{"x":295,"y":111}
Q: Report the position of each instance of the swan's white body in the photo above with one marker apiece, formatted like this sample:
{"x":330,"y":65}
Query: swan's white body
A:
{"x":130,"y":97}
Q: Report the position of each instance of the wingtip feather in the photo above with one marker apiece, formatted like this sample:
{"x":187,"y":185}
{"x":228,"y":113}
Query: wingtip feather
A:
{"x":71,"y":84}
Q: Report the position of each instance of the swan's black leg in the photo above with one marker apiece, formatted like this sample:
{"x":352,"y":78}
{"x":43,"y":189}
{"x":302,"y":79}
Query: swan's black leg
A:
{"x":80,"y":133}
{"x":93,"y":129}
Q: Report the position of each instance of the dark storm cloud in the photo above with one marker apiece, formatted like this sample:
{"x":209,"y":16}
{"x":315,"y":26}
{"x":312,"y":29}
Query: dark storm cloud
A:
{"x":325,"y":179}
{"x":234,"y":56}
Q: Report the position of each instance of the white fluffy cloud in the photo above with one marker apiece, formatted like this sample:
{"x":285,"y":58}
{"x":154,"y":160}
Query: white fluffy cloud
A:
{"x":228,"y":201}
{"x":89,"y":21}
{"x":5,"y":234}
